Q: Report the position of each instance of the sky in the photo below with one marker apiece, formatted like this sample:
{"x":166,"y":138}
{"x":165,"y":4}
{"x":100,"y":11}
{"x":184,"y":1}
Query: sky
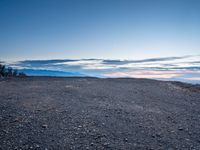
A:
{"x":157,"y":39}
{"x":100,"y":29}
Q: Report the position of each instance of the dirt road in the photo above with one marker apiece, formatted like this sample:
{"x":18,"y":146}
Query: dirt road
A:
{"x":88,"y":113}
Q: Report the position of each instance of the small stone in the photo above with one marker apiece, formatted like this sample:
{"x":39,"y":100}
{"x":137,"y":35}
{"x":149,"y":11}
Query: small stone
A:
{"x":158,"y":135}
{"x":5,"y":131}
{"x":91,"y":144}
{"x":44,"y":126}
{"x":180,"y":128}
{"x":37,"y":146}
{"x":106,"y":144}
{"x":126,"y":140}
{"x":16,"y":120}
{"x":94,"y":130}
{"x":187,"y":139}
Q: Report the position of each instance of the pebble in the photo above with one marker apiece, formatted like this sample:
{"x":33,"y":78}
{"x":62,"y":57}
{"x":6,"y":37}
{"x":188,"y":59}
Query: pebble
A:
{"x":37,"y":146}
{"x":126,"y":140}
{"x":5,"y":131}
{"x":106,"y":144}
{"x":158,"y":135}
{"x":44,"y":126}
{"x":16,"y":120}
{"x":91,"y":144}
{"x":180,"y":128}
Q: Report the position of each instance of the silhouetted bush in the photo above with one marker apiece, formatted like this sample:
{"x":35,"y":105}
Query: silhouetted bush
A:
{"x":9,"y":72}
{"x":2,"y":70}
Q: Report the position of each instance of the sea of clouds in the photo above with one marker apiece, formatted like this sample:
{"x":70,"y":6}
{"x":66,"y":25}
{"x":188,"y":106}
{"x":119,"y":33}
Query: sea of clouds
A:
{"x":185,"y":68}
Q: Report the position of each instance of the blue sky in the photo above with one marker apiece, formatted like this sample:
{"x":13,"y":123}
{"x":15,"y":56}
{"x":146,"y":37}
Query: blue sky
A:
{"x":158,"y":39}
{"x":102,"y":29}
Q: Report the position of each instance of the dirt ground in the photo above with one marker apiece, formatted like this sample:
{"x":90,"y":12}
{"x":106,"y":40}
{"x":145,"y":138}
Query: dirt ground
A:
{"x":50,"y":113}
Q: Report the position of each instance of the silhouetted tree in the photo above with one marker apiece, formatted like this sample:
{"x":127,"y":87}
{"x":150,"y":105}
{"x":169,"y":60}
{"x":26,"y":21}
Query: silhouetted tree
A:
{"x":9,"y":72}
{"x":2,"y":70}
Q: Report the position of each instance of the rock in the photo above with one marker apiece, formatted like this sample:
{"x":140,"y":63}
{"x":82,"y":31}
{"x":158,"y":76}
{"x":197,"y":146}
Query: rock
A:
{"x":16,"y":120}
{"x":44,"y":126}
{"x":180,"y":128}
{"x":126,"y":140}
{"x":158,"y":135}
{"x":37,"y":146}
{"x":106,"y":144}
{"x":92,"y":144}
{"x":5,"y":131}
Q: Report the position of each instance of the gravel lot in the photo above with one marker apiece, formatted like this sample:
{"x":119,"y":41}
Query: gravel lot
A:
{"x":88,"y":113}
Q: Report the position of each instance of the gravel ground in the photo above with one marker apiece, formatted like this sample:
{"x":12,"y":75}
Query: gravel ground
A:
{"x":88,"y":113}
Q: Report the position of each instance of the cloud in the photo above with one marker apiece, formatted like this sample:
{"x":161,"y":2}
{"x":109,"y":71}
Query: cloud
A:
{"x":153,"y":74}
{"x":100,"y":64}
{"x":143,"y":60}
{"x":156,"y":68}
{"x":193,"y":78}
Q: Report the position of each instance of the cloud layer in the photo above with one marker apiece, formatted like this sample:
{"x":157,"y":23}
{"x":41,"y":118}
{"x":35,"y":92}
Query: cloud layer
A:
{"x":185,"y":68}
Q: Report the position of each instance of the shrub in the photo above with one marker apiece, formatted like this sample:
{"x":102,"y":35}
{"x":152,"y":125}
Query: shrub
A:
{"x":2,"y":70}
{"x":9,"y":72}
